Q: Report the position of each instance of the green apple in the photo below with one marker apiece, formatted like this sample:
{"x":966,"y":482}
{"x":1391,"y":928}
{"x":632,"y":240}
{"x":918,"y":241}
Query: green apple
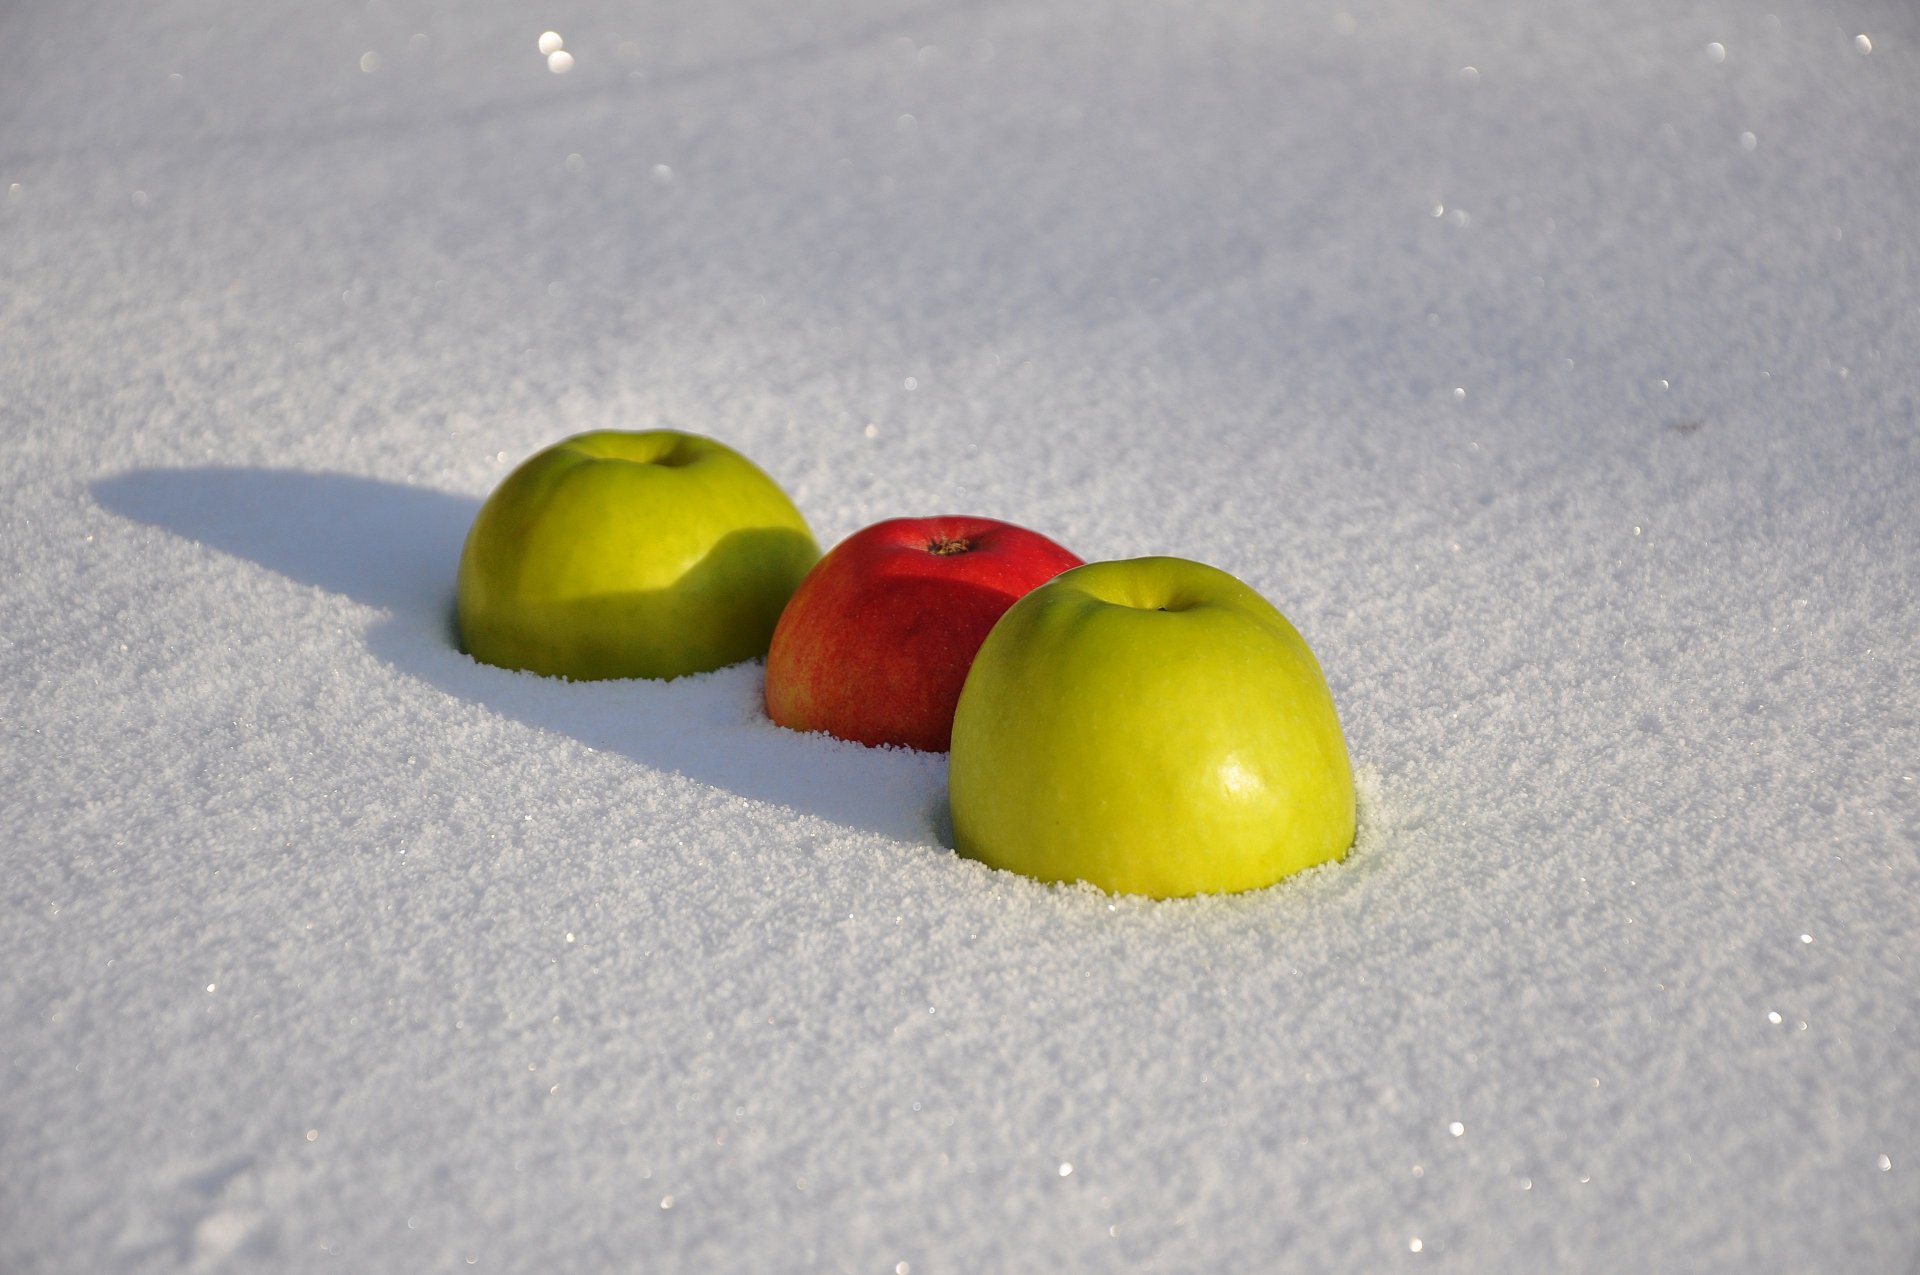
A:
{"x":616,"y":554}
{"x":1153,"y":727}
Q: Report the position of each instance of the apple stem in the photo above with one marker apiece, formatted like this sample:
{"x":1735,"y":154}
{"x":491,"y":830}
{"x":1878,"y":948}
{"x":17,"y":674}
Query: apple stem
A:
{"x":946,"y":547}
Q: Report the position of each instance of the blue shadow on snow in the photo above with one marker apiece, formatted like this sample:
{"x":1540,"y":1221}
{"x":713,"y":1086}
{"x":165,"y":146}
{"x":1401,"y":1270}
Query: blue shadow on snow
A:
{"x":395,"y":548}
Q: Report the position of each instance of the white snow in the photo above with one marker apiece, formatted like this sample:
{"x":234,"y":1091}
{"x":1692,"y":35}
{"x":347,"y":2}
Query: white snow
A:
{"x":1568,"y":407}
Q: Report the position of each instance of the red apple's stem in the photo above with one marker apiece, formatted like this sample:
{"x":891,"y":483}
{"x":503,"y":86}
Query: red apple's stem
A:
{"x":946,"y":547}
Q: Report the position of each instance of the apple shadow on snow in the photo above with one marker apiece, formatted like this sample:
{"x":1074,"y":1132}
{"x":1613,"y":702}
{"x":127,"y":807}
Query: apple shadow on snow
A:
{"x":395,"y":548}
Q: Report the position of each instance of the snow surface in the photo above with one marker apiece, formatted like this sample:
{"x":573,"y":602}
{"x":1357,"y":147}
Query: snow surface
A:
{"x":1552,"y":366}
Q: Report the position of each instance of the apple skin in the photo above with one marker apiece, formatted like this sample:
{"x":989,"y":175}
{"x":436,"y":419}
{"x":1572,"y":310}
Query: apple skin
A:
{"x":1150,"y":726}
{"x":630,"y":554}
{"x":877,"y":640}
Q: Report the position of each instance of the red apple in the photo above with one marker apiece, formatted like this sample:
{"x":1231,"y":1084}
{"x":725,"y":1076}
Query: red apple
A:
{"x":877,"y":640}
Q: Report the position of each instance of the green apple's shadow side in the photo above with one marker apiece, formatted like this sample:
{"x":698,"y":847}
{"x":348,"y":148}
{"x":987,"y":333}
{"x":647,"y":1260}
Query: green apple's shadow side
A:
{"x":396,"y":548}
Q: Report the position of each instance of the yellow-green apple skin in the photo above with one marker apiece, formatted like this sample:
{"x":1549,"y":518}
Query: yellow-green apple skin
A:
{"x":630,"y":554}
{"x":1150,"y":726}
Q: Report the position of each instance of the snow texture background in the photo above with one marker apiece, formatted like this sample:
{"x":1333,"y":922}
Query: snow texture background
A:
{"x":1552,"y":366}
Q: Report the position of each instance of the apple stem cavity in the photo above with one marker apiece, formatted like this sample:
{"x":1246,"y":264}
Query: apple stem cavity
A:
{"x":947,"y":546}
